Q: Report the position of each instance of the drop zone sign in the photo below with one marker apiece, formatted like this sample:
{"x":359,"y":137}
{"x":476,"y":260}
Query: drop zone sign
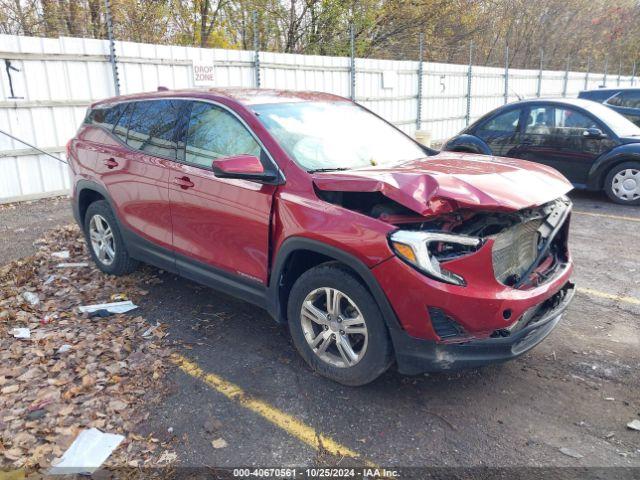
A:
{"x":202,"y":74}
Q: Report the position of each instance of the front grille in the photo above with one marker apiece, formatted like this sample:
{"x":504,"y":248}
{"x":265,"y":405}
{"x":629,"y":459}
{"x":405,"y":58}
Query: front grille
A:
{"x":515,"y":250}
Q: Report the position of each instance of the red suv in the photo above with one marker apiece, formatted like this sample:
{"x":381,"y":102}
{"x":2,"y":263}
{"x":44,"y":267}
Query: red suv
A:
{"x":371,"y":247}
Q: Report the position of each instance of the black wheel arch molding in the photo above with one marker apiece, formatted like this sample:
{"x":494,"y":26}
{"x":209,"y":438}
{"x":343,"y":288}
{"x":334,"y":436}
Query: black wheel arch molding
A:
{"x":466,"y":142}
{"x":629,"y":152}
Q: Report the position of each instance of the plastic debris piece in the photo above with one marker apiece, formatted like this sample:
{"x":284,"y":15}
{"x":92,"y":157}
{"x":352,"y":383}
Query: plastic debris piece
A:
{"x":219,"y":443}
{"x":570,"y":452}
{"x":31,"y":298}
{"x":634,"y":425}
{"x":102,"y":313}
{"x":50,"y":279}
{"x":148,"y":333}
{"x":73,"y":265}
{"x":48,"y":318}
{"x":114,"y":307}
{"x":118,"y":297}
{"x":87,"y":453}
{"x":62,"y":255}
{"x":20,"y":332}
{"x":64,"y":348}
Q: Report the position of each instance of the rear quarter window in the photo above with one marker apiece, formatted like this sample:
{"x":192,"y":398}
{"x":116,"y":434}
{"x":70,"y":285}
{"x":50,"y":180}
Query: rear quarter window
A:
{"x":105,"y":116}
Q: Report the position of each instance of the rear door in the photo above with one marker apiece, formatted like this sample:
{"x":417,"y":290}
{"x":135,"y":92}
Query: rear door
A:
{"x":136,"y":172}
{"x":554,"y":136}
{"x":220,"y":225}
{"x":501,"y":132}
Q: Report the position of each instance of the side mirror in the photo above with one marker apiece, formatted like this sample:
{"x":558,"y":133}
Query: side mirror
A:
{"x":248,"y":167}
{"x":594,"y":133}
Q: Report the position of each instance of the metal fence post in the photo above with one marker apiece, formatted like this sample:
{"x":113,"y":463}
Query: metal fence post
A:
{"x":419,"y":105}
{"x":256,"y":50}
{"x":633,"y":74}
{"x":604,"y":77}
{"x":467,"y":117}
{"x":539,"y":91}
{"x":586,"y":76}
{"x":112,"y":47}
{"x":506,"y":74}
{"x":352,"y":68}
{"x":619,"y":72}
{"x":566,"y":78}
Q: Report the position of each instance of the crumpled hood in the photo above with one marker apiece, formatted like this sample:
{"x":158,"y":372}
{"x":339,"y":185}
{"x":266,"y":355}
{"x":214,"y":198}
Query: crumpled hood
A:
{"x":465,"y":180}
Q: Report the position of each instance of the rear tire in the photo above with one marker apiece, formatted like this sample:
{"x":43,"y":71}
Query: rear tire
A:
{"x":622,"y":183}
{"x":337,"y":327}
{"x":105,"y":242}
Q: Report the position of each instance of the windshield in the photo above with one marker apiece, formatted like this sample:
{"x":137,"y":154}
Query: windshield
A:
{"x":335,"y":135}
{"x":620,"y":125}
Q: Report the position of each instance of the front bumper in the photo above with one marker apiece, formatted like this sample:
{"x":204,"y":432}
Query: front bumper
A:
{"x":416,"y":356}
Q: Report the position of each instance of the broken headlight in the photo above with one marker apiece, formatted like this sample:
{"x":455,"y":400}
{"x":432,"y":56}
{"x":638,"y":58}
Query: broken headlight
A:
{"x":426,"y":251}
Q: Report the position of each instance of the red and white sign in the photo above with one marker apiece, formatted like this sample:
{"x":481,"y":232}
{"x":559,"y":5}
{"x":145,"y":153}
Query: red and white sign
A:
{"x":203,"y":74}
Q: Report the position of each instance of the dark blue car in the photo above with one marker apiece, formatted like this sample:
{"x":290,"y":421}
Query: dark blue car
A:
{"x":593,"y":146}
{"x":625,"y":101}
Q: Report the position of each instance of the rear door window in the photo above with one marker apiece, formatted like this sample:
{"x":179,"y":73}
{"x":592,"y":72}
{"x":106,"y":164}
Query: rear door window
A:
{"x":214,"y":133}
{"x":153,"y":127}
{"x":121,"y":128}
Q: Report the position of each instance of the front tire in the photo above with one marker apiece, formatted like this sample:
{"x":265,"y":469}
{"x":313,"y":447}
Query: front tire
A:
{"x":622,"y":183}
{"x":337,"y":327}
{"x":104,"y":240}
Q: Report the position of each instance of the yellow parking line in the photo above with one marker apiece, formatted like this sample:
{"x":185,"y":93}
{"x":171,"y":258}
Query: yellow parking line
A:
{"x":606,"y":215}
{"x":609,"y":296}
{"x":286,"y":422}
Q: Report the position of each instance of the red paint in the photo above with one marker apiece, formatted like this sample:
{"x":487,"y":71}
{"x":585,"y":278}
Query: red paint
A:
{"x":243,"y":164}
{"x":239,"y":225}
{"x":448,"y":180}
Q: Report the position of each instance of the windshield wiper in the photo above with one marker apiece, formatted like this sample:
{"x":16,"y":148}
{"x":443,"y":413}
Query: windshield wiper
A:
{"x":334,"y":169}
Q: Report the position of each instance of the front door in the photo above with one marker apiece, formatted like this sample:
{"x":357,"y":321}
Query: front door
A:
{"x":220,"y":226}
{"x":554,"y":136}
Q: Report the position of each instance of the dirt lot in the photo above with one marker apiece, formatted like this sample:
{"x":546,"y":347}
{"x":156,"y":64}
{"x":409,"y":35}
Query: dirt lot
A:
{"x":575,"y":391}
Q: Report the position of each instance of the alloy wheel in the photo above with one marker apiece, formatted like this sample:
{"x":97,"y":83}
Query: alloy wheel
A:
{"x":334,"y":327}
{"x":626,"y":184}
{"x":102,"y":241}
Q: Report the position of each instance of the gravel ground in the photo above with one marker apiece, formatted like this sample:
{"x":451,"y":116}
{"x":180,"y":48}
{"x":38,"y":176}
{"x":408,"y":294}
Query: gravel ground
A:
{"x":22,"y":223}
{"x":575,"y":391}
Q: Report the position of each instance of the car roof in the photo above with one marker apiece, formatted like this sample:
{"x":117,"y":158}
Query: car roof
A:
{"x":576,"y":102}
{"x":609,"y":89}
{"x":244,"y":96}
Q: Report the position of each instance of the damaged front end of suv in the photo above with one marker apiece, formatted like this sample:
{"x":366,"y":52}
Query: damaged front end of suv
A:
{"x":476,"y":277}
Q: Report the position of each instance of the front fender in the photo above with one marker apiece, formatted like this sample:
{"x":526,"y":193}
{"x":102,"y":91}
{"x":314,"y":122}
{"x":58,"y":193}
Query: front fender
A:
{"x":606,"y":161}
{"x":293,"y":244}
{"x":467,"y":143}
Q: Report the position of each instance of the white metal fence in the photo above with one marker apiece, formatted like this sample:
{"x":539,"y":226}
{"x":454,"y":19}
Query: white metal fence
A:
{"x":56,"y":79}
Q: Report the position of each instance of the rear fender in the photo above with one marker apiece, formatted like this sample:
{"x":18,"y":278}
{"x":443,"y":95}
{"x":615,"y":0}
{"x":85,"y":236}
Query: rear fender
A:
{"x":608,"y":160}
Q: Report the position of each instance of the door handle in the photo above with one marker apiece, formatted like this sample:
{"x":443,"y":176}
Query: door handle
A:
{"x":183,"y":182}
{"x":110,"y":163}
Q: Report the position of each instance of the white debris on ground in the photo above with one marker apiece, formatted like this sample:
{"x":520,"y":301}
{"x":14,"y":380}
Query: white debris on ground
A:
{"x":72,"y":372}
